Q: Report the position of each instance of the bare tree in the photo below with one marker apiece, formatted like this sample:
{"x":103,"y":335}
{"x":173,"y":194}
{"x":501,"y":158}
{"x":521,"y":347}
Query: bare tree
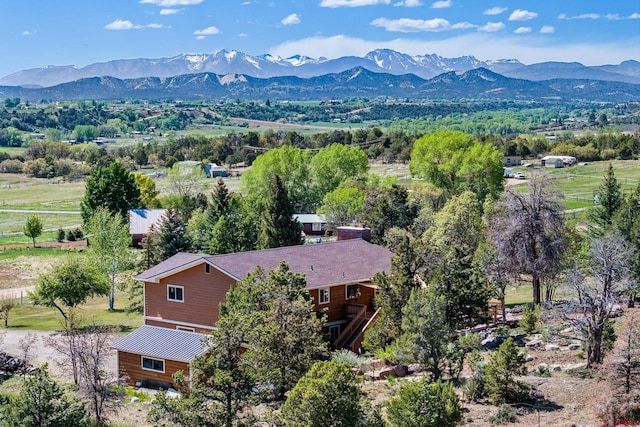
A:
{"x":598,"y":288}
{"x":529,"y":233}
{"x":26,"y":345}
{"x":622,"y":366}
{"x":93,"y":346}
{"x":66,"y":344}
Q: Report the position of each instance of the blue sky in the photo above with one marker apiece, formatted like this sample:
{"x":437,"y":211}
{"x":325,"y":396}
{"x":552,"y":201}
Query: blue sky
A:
{"x":38,"y":33}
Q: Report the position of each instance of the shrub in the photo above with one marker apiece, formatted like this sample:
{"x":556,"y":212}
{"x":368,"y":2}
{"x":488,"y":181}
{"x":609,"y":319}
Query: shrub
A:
{"x":60,"y":235}
{"x":71,"y":236}
{"x":422,"y":404}
{"x":505,"y":415}
{"x":11,"y":166}
{"x":530,"y":319}
{"x":79,"y":235}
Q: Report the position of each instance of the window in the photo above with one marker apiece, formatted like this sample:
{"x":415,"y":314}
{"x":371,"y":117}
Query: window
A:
{"x":316,"y":226}
{"x":323,"y":296}
{"x":185,"y":328}
{"x":175,"y":293}
{"x":353,"y":291}
{"x":152,"y":364}
{"x":207,"y":268}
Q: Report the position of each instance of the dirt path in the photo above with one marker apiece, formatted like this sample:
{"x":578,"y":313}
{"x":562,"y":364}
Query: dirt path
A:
{"x":16,"y":293}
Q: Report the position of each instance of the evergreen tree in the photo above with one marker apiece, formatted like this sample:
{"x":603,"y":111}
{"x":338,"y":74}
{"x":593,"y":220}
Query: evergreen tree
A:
{"x":173,"y":235}
{"x":610,"y":199}
{"x":278,"y":227}
{"x":285,"y":332}
{"x":387,"y":209}
{"x":500,"y":371}
{"x":627,"y":221}
{"x":220,"y":199}
{"x":42,"y":403}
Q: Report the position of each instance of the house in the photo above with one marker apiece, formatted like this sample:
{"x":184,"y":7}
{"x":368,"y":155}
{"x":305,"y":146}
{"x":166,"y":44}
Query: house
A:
{"x":312,"y":224}
{"x":512,"y":160}
{"x":558,"y":161}
{"x":141,"y":221}
{"x":182,"y":295}
{"x":213,"y":170}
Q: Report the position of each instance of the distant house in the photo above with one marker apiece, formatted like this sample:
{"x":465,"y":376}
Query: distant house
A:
{"x":312,"y":224}
{"x":512,"y":160}
{"x":558,"y":161}
{"x":182,"y":296}
{"x":213,"y":170}
{"x":141,"y":221}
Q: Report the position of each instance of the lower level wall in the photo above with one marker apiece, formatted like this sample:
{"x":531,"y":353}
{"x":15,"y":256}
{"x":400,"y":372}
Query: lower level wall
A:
{"x":130,"y":369}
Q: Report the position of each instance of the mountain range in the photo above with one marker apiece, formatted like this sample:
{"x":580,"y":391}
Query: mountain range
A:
{"x":224,"y":62}
{"x":477,"y":83}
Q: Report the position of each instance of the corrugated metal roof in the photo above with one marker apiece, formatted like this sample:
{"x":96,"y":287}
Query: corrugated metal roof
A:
{"x":323,"y":264}
{"x":163,"y":343}
{"x":141,"y":220}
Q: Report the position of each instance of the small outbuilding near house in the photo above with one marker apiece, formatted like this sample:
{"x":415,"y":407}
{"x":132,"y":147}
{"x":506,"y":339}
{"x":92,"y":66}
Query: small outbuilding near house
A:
{"x":141,"y":221}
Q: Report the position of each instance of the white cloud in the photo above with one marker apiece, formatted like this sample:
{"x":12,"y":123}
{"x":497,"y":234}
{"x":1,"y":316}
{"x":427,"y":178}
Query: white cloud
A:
{"x":522,"y":30}
{"x":491,"y":27}
{"x":351,"y":3}
{"x":120,"y":24}
{"x":124,"y":24}
{"x":442,"y":4}
{"x":547,"y":29}
{"x":169,"y":11}
{"x":634,"y":16}
{"x":243,"y":35}
{"x":26,"y":33}
{"x":408,"y":25}
{"x":209,"y":31}
{"x":484,"y":46}
{"x":409,"y":3}
{"x":497,"y":10}
{"x":292,"y":19}
{"x":171,"y":3}
{"x":522,"y":15}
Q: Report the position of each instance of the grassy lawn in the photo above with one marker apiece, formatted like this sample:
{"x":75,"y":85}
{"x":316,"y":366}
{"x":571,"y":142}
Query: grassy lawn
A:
{"x":26,"y":316}
{"x":20,"y":192}
{"x":517,"y":295}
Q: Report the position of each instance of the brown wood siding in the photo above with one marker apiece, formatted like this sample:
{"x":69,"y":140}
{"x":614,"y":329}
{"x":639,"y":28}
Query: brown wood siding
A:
{"x":338,"y":300}
{"x":130,"y":368}
{"x":202,"y":295}
{"x":173,"y":325}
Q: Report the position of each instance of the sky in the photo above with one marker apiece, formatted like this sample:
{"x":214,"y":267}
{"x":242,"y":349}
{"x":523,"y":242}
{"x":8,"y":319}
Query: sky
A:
{"x":39,"y":33}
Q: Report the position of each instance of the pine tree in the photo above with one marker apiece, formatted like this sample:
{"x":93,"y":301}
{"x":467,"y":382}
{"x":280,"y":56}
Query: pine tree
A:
{"x":610,"y":199}
{"x":173,"y":236}
{"x":279,"y":228}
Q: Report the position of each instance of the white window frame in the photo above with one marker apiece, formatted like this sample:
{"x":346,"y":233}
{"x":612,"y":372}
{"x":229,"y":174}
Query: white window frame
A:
{"x":346,"y":292}
{"x":184,"y":328}
{"x":142,"y":358}
{"x":175,"y":287}
{"x":322,"y":300}
{"x":316,"y":226}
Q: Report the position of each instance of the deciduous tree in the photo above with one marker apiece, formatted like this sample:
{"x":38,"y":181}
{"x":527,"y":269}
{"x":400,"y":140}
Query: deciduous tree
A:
{"x":113,"y":188}
{"x":529,"y":233}
{"x":109,"y":239}
{"x":69,"y":285}
{"x":33,"y":228}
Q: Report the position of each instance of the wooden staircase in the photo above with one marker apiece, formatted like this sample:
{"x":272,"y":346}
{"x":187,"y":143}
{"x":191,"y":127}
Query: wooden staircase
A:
{"x":353,"y":334}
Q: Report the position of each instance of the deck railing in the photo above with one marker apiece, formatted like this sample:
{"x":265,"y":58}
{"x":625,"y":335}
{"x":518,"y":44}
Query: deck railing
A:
{"x":357,"y":342}
{"x":360,"y":312}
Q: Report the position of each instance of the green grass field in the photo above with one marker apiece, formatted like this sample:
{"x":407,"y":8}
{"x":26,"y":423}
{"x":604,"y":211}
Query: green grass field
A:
{"x":27,"y":316}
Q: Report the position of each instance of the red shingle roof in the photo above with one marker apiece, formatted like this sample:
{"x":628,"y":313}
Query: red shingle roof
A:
{"x":323,"y":264}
